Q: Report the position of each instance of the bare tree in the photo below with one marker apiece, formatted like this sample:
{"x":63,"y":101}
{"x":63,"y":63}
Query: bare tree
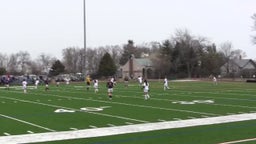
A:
{"x":3,"y":60}
{"x":187,"y":51}
{"x":93,"y":58}
{"x":24,"y":61}
{"x":72,"y":59}
{"x":35,"y":68}
{"x":12,"y":64}
{"x":44,"y":63}
{"x":254,"y":28}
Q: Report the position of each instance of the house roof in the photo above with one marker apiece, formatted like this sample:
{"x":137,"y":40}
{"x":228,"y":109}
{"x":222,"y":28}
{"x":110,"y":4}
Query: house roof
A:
{"x":244,"y":63}
{"x":144,"y":62}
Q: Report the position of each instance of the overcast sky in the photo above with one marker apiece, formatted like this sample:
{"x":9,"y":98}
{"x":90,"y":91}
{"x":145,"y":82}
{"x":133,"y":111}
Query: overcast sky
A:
{"x":48,"y":26}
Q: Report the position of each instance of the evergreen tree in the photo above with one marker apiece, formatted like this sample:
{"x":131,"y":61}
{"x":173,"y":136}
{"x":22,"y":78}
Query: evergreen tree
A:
{"x":2,"y":71}
{"x":128,"y":49}
{"x":107,"y":66}
{"x":57,"y":68}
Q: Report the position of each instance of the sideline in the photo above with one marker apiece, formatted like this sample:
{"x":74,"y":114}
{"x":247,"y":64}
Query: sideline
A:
{"x":99,"y":132}
{"x":239,"y":141}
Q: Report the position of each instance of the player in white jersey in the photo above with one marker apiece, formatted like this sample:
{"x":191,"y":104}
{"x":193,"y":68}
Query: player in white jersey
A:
{"x":146,"y":89}
{"x":140,"y":80}
{"x":36,"y":83}
{"x":67,"y":81}
{"x":214,"y":79}
{"x":166,"y":84}
{"x":96,"y":85}
{"x":24,"y":86}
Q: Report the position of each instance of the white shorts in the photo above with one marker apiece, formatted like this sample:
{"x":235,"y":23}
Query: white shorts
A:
{"x":145,"y":90}
{"x":110,"y":90}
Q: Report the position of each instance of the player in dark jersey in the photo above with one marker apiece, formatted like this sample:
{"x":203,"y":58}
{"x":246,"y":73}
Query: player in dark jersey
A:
{"x":46,"y":85}
{"x":110,"y":86}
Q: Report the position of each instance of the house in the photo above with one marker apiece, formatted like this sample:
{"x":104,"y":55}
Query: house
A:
{"x":245,"y":68}
{"x":135,"y":67}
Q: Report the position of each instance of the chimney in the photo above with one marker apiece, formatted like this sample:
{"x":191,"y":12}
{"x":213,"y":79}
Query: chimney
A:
{"x":131,"y":73}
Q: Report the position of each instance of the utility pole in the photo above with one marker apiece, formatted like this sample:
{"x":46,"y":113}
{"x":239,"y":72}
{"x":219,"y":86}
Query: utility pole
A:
{"x":84,"y":8}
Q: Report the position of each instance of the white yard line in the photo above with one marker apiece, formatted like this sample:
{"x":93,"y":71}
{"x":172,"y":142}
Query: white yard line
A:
{"x":225,"y":105}
{"x":7,"y":134}
{"x":135,"y":105}
{"x":239,"y":141}
{"x":95,"y":113}
{"x":73,"y":128}
{"x":110,"y":131}
{"x":91,"y":126}
{"x":30,"y":132}
{"x":22,"y":121}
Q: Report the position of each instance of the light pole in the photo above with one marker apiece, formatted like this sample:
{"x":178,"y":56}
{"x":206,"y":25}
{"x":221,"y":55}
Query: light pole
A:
{"x":84,"y":8}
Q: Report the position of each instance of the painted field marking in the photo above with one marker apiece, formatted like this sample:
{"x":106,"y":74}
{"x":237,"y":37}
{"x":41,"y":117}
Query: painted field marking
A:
{"x":187,"y":111}
{"x":79,"y":87}
{"x":20,"y":87}
{"x":110,"y":131}
{"x":30,"y":132}
{"x":22,"y":121}
{"x":129,"y":123}
{"x":92,"y":126}
{"x":95,"y":113}
{"x":177,"y":119}
{"x":225,"y":105}
{"x":73,"y":128}
{"x":230,"y":113}
{"x":134,"y":105}
{"x":161,"y":120}
{"x":111,"y":125}
{"x":239,"y":141}
{"x":7,"y":134}
{"x":151,"y":106}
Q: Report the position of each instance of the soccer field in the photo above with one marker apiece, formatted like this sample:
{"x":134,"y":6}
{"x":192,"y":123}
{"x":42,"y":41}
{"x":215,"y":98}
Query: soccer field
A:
{"x":196,"y":112}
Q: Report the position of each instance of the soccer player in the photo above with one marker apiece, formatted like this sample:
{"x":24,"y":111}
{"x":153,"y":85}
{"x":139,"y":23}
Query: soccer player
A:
{"x":166,"y":84}
{"x":88,"y":82}
{"x":214,"y":79}
{"x":146,"y":89}
{"x":67,"y":81}
{"x":140,"y":80}
{"x":110,"y":86}
{"x":24,"y":85}
{"x":126,"y":81}
{"x":96,"y":85}
{"x":7,"y":83}
{"x":46,"y":85}
{"x":36,"y":83}
{"x":113,"y":80}
{"x":57,"y":81}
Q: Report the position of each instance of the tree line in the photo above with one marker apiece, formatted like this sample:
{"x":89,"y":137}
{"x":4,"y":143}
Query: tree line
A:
{"x":182,"y":55}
